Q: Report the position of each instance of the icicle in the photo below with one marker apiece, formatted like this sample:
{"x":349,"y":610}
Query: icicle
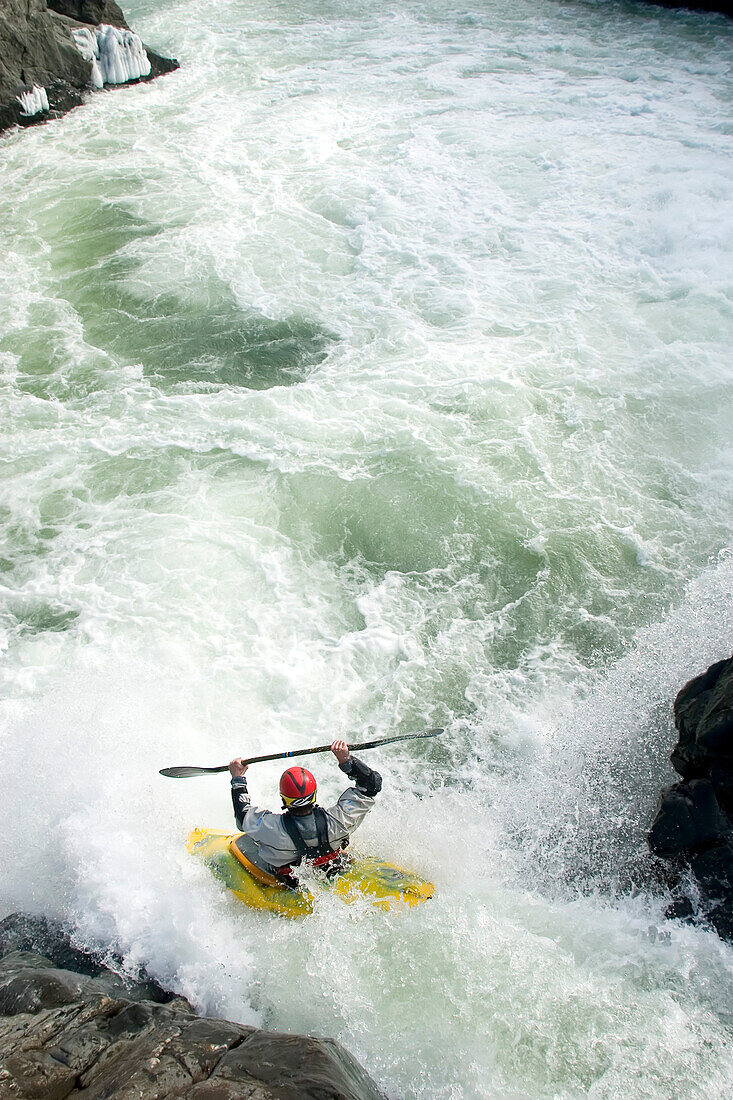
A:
{"x":33,"y":102}
{"x":116,"y":55}
{"x":121,"y":54}
{"x":86,"y":43}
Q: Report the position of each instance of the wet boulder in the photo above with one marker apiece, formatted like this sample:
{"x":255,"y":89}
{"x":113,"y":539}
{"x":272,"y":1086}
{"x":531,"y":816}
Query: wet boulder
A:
{"x":49,"y":942}
{"x":692,"y":832}
{"x":703,"y":712}
{"x":67,"y":1033}
{"x":29,"y":983}
{"x":689,"y":819}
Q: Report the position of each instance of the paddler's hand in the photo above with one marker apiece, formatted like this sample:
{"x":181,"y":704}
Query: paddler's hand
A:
{"x":341,"y":751}
{"x":238,"y":767}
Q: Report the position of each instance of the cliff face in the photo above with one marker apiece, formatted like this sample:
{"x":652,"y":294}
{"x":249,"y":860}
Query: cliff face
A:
{"x":47,"y":57}
{"x":71,"y":1027}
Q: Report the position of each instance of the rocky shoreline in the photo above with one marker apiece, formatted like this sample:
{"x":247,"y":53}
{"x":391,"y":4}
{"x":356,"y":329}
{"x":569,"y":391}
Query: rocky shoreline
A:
{"x":54,"y":52}
{"x":71,"y":1026}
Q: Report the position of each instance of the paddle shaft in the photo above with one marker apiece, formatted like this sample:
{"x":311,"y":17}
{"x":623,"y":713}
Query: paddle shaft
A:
{"x":190,"y":772}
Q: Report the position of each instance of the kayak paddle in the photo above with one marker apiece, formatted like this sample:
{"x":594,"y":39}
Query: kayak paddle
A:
{"x":187,"y":773}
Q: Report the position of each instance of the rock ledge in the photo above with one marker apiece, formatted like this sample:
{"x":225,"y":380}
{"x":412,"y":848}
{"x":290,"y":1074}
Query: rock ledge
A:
{"x":94,"y":1035}
{"x":43,"y":73}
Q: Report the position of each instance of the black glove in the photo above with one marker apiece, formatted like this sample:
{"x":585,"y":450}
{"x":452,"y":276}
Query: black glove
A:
{"x":367,"y":780}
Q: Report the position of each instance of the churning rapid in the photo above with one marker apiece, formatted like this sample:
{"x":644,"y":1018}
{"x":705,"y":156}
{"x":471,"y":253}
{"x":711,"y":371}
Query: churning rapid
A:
{"x":373,"y":372}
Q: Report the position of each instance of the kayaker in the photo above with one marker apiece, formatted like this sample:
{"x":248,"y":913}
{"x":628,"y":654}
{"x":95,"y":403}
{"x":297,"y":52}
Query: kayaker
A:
{"x":278,"y":842}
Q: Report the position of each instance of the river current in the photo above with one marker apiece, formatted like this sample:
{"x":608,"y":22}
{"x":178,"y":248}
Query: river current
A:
{"x":373,"y":372}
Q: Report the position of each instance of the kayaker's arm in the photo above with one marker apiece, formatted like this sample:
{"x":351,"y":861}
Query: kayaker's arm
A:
{"x":240,"y":794}
{"x":240,"y":800}
{"x":367,"y":781}
{"x":356,"y":802}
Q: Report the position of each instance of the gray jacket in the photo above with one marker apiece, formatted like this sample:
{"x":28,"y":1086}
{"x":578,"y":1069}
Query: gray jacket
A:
{"x":274,"y":846}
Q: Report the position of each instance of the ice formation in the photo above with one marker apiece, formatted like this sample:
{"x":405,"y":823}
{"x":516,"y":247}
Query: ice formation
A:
{"x":117,"y":55}
{"x":86,"y":43}
{"x":33,"y":102}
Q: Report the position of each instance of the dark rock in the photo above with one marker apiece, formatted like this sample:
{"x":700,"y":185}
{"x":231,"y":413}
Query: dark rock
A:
{"x":202,"y":1044}
{"x":689,"y":819}
{"x":133,"y":1020}
{"x":135,"y":1060}
{"x":67,"y":1037}
{"x":93,"y":12}
{"x":36,"y":49}
{"x":724,"y":7}
{"x":62,"y":98}
{"x":36,"y":1074}
{"x":159,"y":65}
{"x":79,"y":1047}
{"x":713,"y":870}
{"x":228,"y":1090}
{"x":721,"y":777}
{"x":693,"y":828}
{"x":681,"y":909}
{"x":714,"y":734}
{"x":694,"y":708}
{"x":297,"y":1066}
{"x":22,"y":932}
{"x":29,"y":988}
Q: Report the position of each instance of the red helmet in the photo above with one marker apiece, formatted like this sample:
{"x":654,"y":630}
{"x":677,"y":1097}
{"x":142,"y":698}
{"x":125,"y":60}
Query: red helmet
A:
{"x":298,"y":788}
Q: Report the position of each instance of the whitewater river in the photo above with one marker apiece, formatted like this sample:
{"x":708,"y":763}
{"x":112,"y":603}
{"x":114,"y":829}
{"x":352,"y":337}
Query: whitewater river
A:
{"x":373,"y":372}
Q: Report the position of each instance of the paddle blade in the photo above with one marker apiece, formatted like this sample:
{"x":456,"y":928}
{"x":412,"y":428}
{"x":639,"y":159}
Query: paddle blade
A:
{"x":188,"y":773}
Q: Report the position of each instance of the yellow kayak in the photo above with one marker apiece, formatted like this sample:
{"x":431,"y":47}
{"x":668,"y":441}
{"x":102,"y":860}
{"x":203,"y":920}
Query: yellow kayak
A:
{"x":362,"y":876}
